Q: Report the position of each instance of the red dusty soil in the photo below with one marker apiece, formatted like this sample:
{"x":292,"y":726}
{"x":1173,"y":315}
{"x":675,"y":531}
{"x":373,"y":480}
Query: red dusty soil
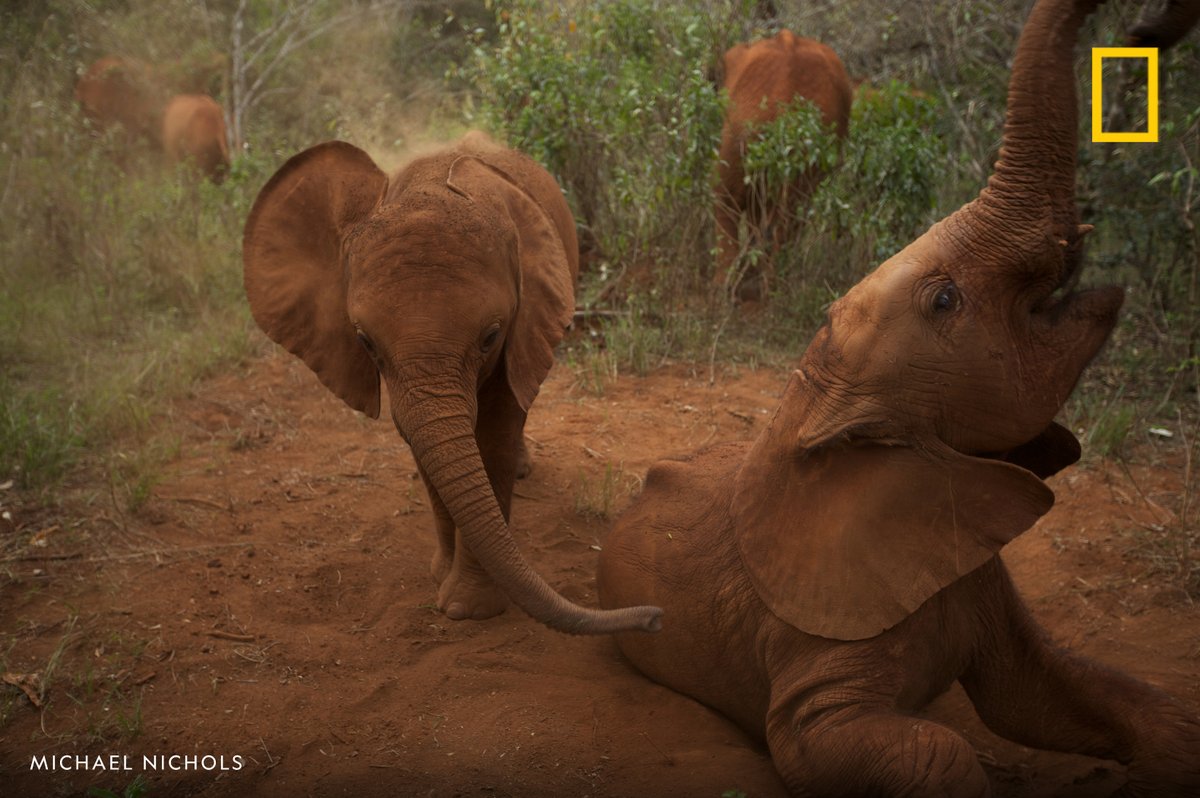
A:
{"x":271,"y":604}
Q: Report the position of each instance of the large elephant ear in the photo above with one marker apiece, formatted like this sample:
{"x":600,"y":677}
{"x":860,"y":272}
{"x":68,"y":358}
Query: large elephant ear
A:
{"x":292,"y":254}
{"x":845,"y":541}
{"x":547,"y":265}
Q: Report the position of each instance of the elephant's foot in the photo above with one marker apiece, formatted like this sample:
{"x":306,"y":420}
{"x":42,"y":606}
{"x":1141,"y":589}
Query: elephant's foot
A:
{"x":467,"y":593}
{"x":524,"y":463}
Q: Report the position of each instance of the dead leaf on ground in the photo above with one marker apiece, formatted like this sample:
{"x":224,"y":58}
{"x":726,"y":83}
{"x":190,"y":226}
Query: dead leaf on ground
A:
{"x":28,"y":683}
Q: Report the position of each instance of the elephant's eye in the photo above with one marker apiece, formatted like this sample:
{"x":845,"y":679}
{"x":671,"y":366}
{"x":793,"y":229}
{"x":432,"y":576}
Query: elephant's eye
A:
{"x":366,"y":343}
{"x":489,"y":340}
{"x":946,"y":299}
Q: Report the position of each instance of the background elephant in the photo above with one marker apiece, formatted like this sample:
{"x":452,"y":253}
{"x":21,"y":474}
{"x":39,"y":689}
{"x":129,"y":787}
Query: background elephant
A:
{"x":824,"y":583}
{"x":122,"y":91}
{"x":193,"y":131}
{"x":453,"y":280}
{"x":762,"y":78}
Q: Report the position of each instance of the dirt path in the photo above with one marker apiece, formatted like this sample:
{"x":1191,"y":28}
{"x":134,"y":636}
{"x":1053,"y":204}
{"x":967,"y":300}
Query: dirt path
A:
{"x":270,"y":604}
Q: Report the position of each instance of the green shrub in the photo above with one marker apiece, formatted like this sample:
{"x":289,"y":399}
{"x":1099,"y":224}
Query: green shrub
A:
{"x":879,"y":190}
{"x":120,"y":281}
{"x":618,"y":103}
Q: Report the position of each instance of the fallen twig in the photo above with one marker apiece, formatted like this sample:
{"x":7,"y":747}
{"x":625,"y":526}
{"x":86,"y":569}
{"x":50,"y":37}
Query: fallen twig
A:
{"x":42,"y":557}
{"x":217,"y":633}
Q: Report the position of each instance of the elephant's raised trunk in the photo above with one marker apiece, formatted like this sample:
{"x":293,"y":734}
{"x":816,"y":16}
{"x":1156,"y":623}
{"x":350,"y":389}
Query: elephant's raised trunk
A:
{"x":439,"y":426}
{"x":1029,"y":200}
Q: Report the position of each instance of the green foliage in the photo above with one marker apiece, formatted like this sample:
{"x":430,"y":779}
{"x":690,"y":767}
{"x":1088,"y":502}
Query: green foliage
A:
{"x":616,"y":101}
{"x":1144,"y":200}
{"x":120,"y":284}
{"x":119,"y":280}
{"x":878,"y":190}
{"x":135,"y":789}
{"x":894,"y":164}
{"x":40,"y":433}
{"x":792,"y":146}
{"x":600,"y":496}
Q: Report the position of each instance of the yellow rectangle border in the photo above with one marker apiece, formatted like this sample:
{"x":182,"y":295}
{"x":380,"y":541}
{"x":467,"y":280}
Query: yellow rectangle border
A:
{"x":1151,"y":56}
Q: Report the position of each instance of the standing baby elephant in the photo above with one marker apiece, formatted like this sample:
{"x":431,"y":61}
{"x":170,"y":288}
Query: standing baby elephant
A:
{"x":824,"y":583}
{"x":193,"y":132}
{"x":762,"y":78}
{"x":454,"y":281}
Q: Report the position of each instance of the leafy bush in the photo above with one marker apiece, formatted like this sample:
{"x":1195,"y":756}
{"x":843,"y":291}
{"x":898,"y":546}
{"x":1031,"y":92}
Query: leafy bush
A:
{"x":879,"y":189}
{"x":120,"y":281}
{"x":1144,"y":200}
{"x":792,"y":145}
{"x":618,"y":103}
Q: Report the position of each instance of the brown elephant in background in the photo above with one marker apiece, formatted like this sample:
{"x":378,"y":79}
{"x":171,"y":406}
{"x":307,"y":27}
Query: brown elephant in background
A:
{"x":825,"y":582}
{"x":762,"y":78}
{"x":118,"y":91}
{"x":123,"y":92}
{"x":193,"y":132}
{"x":453,"y":280}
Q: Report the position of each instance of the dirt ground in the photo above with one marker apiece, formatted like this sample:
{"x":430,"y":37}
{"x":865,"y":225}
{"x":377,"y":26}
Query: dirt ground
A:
{"x":270,"y":606}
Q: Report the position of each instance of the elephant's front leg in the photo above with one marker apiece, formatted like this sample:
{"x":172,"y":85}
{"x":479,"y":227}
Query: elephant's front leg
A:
{"x":1030,"y":691}
{"x":443,"y":555}
{"x":465,"y":589}
{"x":861,"y":750}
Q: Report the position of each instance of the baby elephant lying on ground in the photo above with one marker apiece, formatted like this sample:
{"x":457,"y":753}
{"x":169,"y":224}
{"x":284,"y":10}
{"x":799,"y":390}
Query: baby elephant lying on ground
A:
{"x":824,"y":582}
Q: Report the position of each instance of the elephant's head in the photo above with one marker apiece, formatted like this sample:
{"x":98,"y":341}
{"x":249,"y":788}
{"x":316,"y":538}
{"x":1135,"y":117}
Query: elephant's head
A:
{"x":952,"y":356}
{"x":459,"y":268}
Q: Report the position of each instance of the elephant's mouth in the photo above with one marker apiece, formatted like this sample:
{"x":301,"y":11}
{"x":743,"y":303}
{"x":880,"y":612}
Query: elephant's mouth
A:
{"x":1094,"y":307}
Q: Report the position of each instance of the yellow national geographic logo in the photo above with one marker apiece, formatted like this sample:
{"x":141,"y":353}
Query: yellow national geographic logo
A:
{"x":1151,"y":131}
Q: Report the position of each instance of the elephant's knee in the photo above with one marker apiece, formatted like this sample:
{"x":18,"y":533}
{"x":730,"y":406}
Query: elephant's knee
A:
{"x":935,"y":761}
{"x":882,"y":755}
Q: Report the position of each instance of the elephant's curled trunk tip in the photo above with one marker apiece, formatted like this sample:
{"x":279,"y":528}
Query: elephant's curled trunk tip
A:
{"x":626,"y":619}
{"x":653,"y":619}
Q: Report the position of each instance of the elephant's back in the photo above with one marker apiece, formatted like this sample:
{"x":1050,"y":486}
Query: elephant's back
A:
{"x":782,"y":68}
{"x":674,"y":548}
{"x":193,"y":127}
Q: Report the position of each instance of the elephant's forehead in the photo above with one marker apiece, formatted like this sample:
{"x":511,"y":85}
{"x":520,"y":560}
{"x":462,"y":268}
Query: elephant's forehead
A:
{"x":883,"y":295}
{"x":421,"y":235}
{"x":413,"y":254}
{"x":876,"y":317}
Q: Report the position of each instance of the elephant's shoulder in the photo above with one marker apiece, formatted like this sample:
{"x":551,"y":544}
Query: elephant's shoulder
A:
{"x":681,"y":518}
{"x":708,"y":471}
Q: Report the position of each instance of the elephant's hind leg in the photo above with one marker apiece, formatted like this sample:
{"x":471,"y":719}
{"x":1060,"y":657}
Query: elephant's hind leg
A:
{"x":861,"y":751}
{"x":1028,"y":690}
